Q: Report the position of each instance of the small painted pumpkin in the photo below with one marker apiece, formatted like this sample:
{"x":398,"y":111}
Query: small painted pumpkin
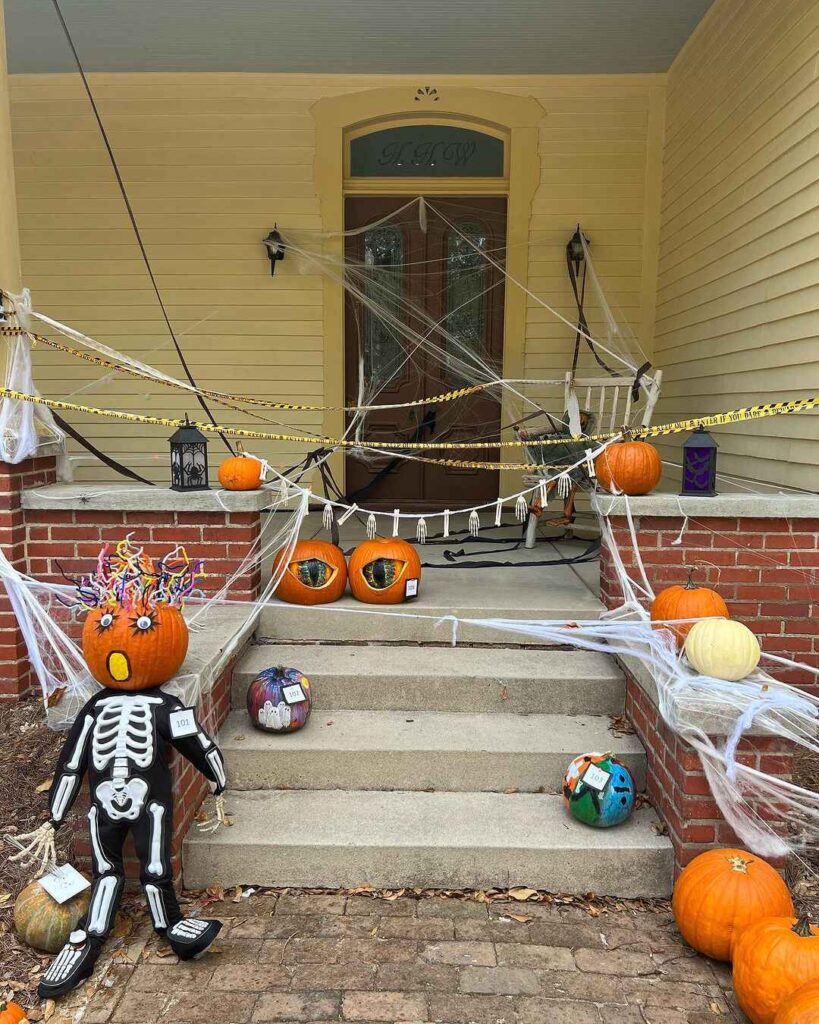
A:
{"x":687,"y":602}
{"x":12,"y":1013}
{"x":598,"y":790}
{"x":723,"y":891}
{"x":629,"y":467}
{"x":382,"y":571}
{"x":135,"y":649}
{"x":44,"y":923}
{"x":316,"y":573}
{"x":722,"y":648}
{"x":773,"y":959}
{"x":802,"y":1007}
{"x":241,"y":472}
{"x":279,"y":700}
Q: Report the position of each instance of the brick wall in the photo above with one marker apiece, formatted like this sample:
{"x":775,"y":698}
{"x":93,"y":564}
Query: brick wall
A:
{"x":15,"y":672}
{"x":69,"y":542}
{"x":676,"y":783}
{"x":764,"y":568}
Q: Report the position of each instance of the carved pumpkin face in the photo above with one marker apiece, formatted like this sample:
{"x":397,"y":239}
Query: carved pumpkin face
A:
{"x":135,"y":649}
{"x":380,"y":570}
{"x":316,"y":573}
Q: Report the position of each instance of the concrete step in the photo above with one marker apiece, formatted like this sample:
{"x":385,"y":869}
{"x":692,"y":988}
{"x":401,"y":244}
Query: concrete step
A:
{"x":341,"y":839}
{"x":476,"y":679}
{"x":516,"y":592}
{"x":403,"y":750}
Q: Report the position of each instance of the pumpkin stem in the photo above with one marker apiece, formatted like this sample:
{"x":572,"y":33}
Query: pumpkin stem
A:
{"x":739,"y":864}
{"x":802,"y":928}
{"x":240,"y":448}
{"x":689,"y":583}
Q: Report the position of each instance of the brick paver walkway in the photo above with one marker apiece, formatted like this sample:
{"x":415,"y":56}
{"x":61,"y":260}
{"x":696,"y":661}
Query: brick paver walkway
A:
{"x":335,"y":958}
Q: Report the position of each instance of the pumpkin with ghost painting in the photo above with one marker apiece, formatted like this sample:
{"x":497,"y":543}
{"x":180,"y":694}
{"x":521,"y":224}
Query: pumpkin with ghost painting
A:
{"x":279,"y":700}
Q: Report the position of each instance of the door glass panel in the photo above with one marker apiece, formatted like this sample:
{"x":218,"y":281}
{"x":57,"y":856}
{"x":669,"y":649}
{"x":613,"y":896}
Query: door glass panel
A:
{"x":426,"y":151}
{"x":383,"y":280}
{"x":467,"y":279}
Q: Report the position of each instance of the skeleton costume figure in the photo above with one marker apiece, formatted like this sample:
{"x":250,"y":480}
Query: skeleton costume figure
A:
{"x":121,"y":740}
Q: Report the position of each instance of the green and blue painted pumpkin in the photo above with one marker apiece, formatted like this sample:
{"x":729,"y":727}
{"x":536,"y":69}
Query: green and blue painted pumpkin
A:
{"x":598,"y":790}
{"x":279,"y":700}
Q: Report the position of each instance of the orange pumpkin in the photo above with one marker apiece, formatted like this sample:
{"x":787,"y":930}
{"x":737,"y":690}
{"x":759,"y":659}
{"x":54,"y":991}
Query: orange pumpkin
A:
{"x":633,"y":467}
{"x":135,"y":649}
{"x":723,"y":891}
{"x":687,"y":602}
{"x":773,"y":959}
{"x":802,"y":1007}
{"x":11,"y":1013}
{"x":240,"y":472}
{"x":316,"y":573}
{"x":380,"y":570}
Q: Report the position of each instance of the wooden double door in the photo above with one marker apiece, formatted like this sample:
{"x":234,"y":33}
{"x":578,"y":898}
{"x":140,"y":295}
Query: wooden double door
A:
{"x":424,"y":315}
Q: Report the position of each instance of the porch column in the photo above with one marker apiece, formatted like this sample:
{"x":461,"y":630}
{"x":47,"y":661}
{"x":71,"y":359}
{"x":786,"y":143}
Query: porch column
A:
{"x":10,"y":278}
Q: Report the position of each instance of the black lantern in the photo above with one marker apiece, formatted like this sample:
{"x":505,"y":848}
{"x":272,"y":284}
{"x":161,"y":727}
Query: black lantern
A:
{"x":189,"y":459}
{"x":275,"y":248}
{"x":699,"y":475}
{"x":574,"y":249}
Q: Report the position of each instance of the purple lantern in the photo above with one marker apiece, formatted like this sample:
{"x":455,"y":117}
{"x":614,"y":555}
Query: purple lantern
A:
{"x":699,"y":470}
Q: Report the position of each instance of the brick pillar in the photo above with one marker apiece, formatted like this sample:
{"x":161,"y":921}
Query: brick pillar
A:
{"x":763,"y":565}
{"x":763,"y":568}
{"x":15,"y":671}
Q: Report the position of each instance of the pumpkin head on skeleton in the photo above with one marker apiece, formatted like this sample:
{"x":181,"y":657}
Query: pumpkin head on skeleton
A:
{"x":134,"y":636}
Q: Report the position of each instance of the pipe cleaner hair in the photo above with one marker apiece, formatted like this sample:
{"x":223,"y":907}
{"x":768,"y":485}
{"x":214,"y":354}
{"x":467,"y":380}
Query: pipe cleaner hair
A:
{"x":130,"y":578}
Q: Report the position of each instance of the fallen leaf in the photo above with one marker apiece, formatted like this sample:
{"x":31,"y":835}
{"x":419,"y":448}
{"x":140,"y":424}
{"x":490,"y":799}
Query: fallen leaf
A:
{"x":504,"y":694}
{"x":237,"y":895}
{"x":49,"y":1008}
{"x":522,"y":894}
{"x":509,"y":792}
{"x":521,"y":918}
{"x":44,"y":787}
{"x":716,"y":1008}
{"x":56,"y":696}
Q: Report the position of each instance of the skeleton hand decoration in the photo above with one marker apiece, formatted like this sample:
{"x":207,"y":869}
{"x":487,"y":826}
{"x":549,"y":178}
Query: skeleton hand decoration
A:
{"x":40,"y":848}
{"x":219,"y":817}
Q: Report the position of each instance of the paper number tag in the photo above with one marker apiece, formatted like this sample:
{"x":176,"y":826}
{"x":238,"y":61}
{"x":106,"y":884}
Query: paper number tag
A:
{"x":183,"y":723}
{"x":64,"y":882}
{"x":293,"y":693}
{"x":596,"y":778}
{"x":411,"y":588}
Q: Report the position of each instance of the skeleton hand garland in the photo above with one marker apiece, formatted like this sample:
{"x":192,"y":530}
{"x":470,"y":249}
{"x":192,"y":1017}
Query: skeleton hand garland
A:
{"x":40,"y":848}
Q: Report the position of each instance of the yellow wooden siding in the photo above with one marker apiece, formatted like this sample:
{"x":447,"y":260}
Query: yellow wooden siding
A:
{"x":738,"y":287}
{"x":211,"y":161}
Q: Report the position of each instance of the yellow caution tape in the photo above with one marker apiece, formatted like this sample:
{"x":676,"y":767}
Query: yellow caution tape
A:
{"x":224,"y":398}
{"x":753,"y":412}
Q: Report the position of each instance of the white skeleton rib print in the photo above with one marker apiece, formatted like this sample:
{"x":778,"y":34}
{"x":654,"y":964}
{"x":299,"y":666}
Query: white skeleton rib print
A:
{"x":123,"y":734}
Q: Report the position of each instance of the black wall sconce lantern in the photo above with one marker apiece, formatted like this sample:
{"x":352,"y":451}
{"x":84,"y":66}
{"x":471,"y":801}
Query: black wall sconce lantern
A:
{"x":189,"y":459}
{"x":574,"y":249}
{"x":275,"y":248}
{"x":699,"y":471}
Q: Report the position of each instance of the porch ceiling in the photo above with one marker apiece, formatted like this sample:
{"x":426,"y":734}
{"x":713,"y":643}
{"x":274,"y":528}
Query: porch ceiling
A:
{"x":354,"y":36}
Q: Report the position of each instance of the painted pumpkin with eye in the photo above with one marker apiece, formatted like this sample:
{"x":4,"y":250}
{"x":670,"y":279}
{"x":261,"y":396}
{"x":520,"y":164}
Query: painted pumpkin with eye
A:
{"x":381,"y":568}
{"x":134,"y":649}
{"x":316,"y":573}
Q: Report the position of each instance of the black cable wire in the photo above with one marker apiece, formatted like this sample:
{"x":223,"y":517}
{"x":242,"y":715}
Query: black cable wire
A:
{"x":132,"y":217}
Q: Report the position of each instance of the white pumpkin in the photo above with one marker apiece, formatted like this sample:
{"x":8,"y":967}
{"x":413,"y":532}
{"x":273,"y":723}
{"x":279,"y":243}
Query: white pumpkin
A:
{"x":722,"y":648}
